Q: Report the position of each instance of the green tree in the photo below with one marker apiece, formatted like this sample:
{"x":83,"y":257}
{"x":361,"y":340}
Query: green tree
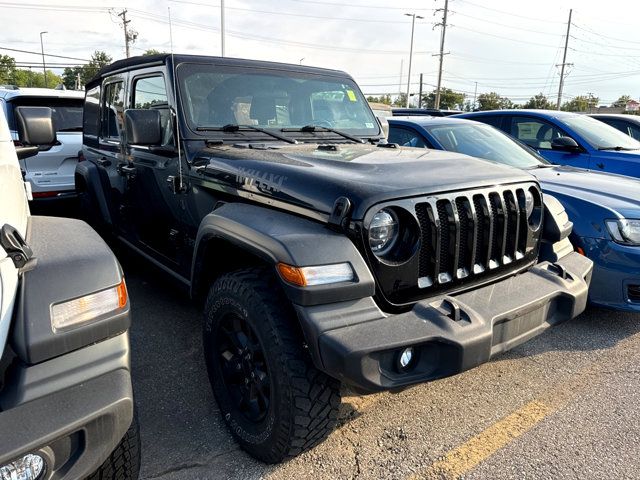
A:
{"x":493,"y":101}
{"x":7,"y":67}
{"x":152,"y":51}
{"x":581,"y":103}
{"x":31,"y":78}
{"x":98,"y":60}
{"x":622,"y":101}
{"x":449,"y":100}
{"x":539,"y":101}
{"x":400,"y":101}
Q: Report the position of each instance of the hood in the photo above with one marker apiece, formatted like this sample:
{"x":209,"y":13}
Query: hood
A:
{"x":313,"y":176}
{"x":618,"y":194}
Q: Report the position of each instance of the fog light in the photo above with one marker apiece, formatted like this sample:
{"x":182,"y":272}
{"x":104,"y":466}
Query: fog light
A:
{"x":406,"y":358}
{"x":28,"y":467}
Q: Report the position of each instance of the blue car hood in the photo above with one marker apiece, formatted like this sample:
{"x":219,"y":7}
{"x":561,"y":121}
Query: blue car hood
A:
{"x":614,"y":192}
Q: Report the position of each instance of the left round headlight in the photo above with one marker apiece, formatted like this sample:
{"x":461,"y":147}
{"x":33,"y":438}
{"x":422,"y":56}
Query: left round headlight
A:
{"x":383,"y":231}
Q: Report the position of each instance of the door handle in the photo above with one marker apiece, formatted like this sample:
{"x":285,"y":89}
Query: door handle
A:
{"x":103,"y":162}
{"x":600,"y":165}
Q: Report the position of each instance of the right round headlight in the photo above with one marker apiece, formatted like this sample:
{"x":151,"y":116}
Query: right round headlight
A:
{"x":383,"y":231}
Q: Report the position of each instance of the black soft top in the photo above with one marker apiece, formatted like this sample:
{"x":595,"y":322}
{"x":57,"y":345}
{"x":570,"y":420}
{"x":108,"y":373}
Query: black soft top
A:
{"x":149,"y":60}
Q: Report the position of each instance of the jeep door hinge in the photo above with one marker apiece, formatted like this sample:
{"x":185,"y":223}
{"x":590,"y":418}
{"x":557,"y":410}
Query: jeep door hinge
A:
{"x":17,"y":248}
{"x":339,"y":219}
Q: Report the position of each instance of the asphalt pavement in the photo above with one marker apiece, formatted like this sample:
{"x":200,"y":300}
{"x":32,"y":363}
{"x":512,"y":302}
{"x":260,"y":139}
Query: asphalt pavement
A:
{"x":564,"y":405}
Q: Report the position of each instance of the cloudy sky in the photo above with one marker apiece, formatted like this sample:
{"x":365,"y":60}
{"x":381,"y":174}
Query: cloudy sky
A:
{"x":510,"y":47}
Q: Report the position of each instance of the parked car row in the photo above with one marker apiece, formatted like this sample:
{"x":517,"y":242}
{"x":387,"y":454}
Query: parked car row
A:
{"x":323,"y":254}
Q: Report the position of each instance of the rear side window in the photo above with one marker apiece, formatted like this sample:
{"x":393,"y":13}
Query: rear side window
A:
{"x":534,"y":132}
{"x":112,"y":111}
{"x":151,"y":93}
{"x":66,"y":112}
{"x":91,"y":122}
{"x":405,"y":136}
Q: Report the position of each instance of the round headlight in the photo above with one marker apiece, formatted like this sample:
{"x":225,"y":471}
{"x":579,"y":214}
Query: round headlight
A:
{"x":383,"y":231}
{"x":528,"y":202}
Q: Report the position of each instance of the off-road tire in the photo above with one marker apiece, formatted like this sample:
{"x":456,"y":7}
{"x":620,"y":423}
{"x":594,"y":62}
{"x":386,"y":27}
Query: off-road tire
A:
{"x":124,"y":461}
{"x":303,"y":401}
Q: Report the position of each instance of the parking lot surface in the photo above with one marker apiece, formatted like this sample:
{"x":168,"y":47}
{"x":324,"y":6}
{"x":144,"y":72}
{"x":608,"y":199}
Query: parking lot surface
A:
{"x":564,"y":405}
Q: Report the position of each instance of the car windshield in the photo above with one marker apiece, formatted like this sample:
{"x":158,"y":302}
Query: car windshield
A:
{"x":599,"y":134}
{"x":66,"y":112}
{"x":215,"y":96}
{"x":486,"y":142}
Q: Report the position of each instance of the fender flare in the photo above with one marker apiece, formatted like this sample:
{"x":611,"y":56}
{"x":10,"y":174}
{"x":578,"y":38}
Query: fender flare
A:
{"x":95,"y":187}
{"x":275,"y":237}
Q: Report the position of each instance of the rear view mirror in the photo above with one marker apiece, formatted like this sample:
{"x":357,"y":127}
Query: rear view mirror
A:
{"x":143,"y":127}
{"x":35,"y":125}
{"x":566,"y":144}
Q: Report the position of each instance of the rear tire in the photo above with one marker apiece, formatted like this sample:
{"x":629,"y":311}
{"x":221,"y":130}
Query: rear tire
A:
{"x":275,"y":402}
{"x":124,"y":461}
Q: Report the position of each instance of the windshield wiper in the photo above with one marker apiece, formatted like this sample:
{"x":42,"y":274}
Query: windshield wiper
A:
{"x":318,"y":128}
{"x":234,"y":127}
{"x":617,"y":148}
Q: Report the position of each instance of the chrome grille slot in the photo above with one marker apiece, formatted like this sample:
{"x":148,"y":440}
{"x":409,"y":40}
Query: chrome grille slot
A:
{"x":522,"y":231}
{"x":512,"y":226}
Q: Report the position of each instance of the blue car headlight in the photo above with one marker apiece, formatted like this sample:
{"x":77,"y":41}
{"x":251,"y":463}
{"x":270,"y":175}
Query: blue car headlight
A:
{"x":624,"y":231}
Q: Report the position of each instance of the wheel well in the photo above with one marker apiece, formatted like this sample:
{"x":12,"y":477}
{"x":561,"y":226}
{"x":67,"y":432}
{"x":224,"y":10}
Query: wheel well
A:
{"x":216,"y":257}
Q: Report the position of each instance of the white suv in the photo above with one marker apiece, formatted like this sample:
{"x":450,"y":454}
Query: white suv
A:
{"x":51,"y":172}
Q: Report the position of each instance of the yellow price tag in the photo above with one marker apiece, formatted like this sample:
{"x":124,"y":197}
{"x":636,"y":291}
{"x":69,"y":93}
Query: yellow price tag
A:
{"x":352,"y":96}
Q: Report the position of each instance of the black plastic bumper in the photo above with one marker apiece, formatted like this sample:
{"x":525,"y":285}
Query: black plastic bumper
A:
{"x":358,"y":344}
{"x":72,"y":410}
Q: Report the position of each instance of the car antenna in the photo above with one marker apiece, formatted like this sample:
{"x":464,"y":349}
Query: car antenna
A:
{"x":174,"y":110}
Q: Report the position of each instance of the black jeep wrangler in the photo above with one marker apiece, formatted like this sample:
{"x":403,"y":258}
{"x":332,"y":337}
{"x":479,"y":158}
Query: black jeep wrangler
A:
{"x":322,"y":253}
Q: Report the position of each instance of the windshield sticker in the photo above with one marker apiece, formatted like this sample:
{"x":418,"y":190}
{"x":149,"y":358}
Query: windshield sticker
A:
{"x":352,"y":96}
{"x":368,"y":125}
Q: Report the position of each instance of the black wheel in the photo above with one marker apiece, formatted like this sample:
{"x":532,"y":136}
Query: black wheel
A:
{"x":275,"y":402}
{"x":124,"y":461}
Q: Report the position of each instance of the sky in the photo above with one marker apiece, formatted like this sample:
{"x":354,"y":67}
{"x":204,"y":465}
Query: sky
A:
{"x":510,"y":47}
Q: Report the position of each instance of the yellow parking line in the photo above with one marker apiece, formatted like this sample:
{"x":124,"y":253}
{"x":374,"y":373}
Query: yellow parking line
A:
{"x":465,"y":457}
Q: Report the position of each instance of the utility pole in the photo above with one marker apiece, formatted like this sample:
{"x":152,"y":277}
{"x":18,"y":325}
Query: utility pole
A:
{"x":400,"y":82}
{"x":475,"y":94}
{"x":222,"y":26}
{"x":129,"y":35}
{"x":420,"y":93}
{"x":564,"y":62}
{"x":441,"y":54}
{"x":44,"y":65}
{"x":413,"y":25}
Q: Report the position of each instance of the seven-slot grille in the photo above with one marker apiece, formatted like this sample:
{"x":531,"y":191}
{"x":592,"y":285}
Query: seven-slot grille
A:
{"x":469,"y":233}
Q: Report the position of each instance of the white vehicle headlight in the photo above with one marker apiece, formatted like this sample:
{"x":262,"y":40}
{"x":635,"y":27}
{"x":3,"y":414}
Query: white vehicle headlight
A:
{"x":383,"y":231}
{"x":625,"y":231}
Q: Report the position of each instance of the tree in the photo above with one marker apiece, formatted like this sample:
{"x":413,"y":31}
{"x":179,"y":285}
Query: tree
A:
{"x":581,"y":103}
{"x":622,"y":101}
{"x":152,"y":51}
{"x":30,"y":78}
{"x":98,"y":60}
{"x":493,"y":101}
{"x":540,"y":102}
{"x":400,"y":101}
{"x":449,"y":100}
{"x":7,"y":67}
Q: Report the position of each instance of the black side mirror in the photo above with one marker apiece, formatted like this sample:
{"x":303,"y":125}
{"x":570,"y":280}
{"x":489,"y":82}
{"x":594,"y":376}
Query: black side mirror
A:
{"x":565,"y":144}
{"x":143,"y":127}
{"x":35,"y":128}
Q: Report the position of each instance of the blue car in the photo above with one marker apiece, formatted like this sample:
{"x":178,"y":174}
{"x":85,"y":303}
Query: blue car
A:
{"x":568,"y":138}
{"x":604,"y":208}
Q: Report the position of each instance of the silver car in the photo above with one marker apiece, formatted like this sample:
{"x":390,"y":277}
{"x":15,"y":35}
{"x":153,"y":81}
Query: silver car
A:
{"x":51,"y":172}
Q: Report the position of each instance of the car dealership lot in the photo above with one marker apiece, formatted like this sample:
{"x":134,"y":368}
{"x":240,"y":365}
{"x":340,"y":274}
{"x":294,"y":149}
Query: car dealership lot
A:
{"x":563,"y":405}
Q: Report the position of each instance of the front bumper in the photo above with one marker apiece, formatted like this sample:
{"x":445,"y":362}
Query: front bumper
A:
{"x":358,"y":344}
{"x":72,"y":410}
{"x":616,"y":270}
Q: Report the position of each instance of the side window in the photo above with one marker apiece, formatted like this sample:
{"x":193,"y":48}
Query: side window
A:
{"x":493,"y":120}
{"x":618,"y":125}
{"x":151,"y":93}
{"x":534,"y":132}
{"x":407,"y":137}
{"x":634,"y":130}
{"x":112,"y":111}
{"x":91,"y":118}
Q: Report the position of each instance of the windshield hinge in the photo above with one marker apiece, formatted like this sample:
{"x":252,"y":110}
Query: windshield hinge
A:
{"x":17,"y":248}
{"x":339,"y":219}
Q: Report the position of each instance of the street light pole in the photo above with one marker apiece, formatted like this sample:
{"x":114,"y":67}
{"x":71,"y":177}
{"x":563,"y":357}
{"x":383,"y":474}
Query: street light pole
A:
{"x":222,"y":26}
{"x":44,"y":65}
{"x":413,"y":24}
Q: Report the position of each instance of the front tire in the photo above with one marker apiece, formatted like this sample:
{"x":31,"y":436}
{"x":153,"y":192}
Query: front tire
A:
{"x":275,"y":402}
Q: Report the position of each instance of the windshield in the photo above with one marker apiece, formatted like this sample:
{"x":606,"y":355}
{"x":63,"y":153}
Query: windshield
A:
{"x":66,"y":112}
{"x":215,"y":96}
{"x":486,"y":142}
{"x":598,"y":134}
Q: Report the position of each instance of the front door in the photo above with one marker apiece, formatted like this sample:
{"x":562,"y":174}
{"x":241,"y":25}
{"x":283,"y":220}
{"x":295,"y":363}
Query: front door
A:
{"x":539,"y":133}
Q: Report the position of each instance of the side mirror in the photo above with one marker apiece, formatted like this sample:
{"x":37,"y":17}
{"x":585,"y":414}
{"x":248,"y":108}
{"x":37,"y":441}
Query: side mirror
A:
{"x":35,"y":128}
{"x":565,"y":144}
{"x":143,"y":127}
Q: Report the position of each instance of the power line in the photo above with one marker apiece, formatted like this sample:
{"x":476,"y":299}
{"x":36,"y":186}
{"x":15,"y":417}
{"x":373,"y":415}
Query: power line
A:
{"x":380,"y":7}
{"x":46,"y":54}
{"x":545,"y":20}
{"x":483,"y":20}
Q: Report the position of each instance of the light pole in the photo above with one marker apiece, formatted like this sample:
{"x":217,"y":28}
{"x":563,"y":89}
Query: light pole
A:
{"x":44,"y":66}
{"x":222,"y":27}
{"x":413,"y":24}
